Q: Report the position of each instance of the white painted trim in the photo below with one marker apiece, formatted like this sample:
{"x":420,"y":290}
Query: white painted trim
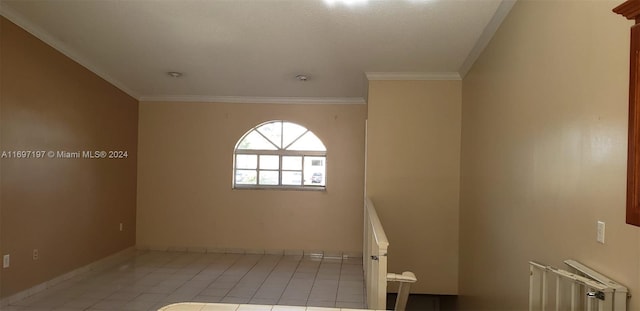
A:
{"x":39,"y":33}
{"x":103,"y":263}
{"x":487,"y":34}
{"x":371,"y":76}
{"x":254,"y":100}
{"x":220,"y":250}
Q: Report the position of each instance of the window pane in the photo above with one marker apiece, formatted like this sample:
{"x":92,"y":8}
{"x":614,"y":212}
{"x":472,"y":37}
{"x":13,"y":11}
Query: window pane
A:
{"x":292,"y":178}
{"x":314,"y":171}
{"x":292,"y":163}
{"x":255,"y":141}
{"x":279,"y":153}
{"x":269,"y":162}
{"x":247,"y":161}
{"x":290,"y":132}
{"x":269,"y":177}
{"x":308,"y":142}
{"x":246,"y":177}
{"x":273,"y":131}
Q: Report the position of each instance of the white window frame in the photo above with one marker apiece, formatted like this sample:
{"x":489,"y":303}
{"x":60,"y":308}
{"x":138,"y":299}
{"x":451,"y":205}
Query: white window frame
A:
{"x":280,"y":152}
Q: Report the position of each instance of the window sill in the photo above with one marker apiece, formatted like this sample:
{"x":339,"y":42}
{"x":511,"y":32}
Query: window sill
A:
{"x":282,"y":188}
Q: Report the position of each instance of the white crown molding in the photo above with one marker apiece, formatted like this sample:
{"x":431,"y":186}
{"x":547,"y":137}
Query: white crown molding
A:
{"x":255,"y":100}
{"x":487,"y":34}
{"x":371,"y":76}
{"x":39,"y":33}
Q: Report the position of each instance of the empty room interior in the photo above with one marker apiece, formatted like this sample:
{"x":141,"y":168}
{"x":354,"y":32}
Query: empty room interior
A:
{"x":223,"y":152}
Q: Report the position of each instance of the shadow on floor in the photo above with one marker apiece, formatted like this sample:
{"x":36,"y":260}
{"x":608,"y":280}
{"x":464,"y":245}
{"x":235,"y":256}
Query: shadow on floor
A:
{"x":421,"y":302}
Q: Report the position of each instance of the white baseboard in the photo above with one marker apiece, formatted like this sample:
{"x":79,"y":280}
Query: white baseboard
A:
{"x":103,"y":263}
{"x":217,"y":250}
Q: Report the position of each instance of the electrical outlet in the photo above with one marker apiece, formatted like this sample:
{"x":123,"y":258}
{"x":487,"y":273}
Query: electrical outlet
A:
{"x":600,"y":234}
{"x":35,"y":254}
{"x":6,"y":261}
{"x":121,"y":227}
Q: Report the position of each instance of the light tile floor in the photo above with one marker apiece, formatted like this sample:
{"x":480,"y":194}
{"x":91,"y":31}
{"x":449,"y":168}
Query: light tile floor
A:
{"x":151,"y":280}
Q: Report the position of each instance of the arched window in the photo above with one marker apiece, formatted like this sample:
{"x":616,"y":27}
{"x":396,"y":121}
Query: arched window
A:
{"x":280,"y":154}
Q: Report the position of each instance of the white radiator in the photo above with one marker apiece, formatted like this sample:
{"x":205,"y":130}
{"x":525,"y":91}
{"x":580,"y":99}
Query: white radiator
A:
{"x":551,"y":288}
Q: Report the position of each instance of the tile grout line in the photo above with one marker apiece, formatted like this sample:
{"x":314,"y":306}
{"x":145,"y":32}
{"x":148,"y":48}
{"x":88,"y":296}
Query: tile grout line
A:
{"x":291,"y":278}
{"x":257,"y":264}
{"x":209,"y":263}
{"x":176,"y":257}
{"x":73,"y":279}
{"x":221,"y":274}
{"x":314,"y":281}
{"x":339,"y":278}
{"x":131,"y":260}
{"x":218,"y":256}
{"x":74,"y":298}
{"x":158,"y":268}
{"x":238,"y":282}
{"x":267,"y":277}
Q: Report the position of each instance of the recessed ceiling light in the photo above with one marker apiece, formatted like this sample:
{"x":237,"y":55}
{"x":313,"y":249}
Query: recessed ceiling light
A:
{"x":302,"y":78}
{"x":174,"y":74}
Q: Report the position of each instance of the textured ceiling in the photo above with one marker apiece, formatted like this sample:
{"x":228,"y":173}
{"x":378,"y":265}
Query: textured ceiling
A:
{"x":251,"y":50}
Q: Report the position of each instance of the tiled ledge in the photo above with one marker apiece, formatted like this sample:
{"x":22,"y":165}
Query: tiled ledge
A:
{"x":191,"y":306}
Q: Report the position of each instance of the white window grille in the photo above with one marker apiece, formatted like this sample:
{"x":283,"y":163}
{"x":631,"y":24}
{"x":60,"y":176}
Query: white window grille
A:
{"x":280,"y":154}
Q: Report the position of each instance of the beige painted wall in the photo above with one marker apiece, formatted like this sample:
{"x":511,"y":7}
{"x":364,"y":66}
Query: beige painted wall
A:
{"x":544,"y":152}
{"x":413,"y":161}
{"x":68,"y":209}
{"x":185,"y":196}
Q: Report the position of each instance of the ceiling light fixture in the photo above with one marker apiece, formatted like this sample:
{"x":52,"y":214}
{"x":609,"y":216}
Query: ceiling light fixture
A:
{"x":174,"y":74}
{"x":302,"y":78}
{"x":346,"y":2}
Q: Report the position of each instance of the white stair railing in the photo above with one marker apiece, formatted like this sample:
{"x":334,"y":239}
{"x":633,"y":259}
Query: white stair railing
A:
{"x":375,"y":264}
{"x":551,"y":288}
